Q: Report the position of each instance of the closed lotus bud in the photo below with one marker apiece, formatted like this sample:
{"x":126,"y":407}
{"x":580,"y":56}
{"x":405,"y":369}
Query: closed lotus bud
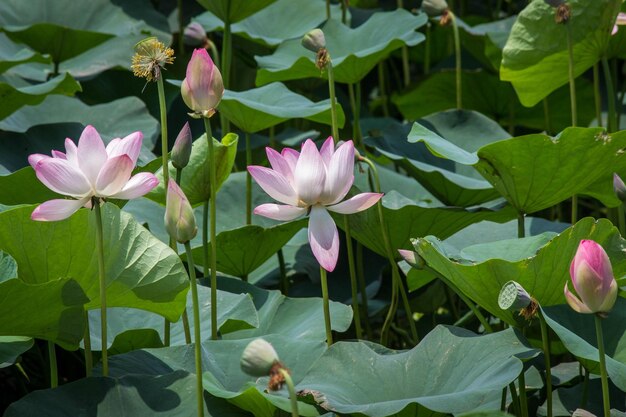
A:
{"x":619,"y":187}
{"x":180,"y":222}
{"x":593,"y":280}
{"x":195,"y":35}
{"x":513,"y":297}
{"x":258,"y":358}
{"x":434,"y":8}
{"x":203,"y":88}
{"x":412,"y":258}
{"x":181,"y":151}
{"x":314,"y":40}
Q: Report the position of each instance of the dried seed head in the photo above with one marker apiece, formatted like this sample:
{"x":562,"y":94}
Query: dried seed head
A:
{"x":563,"y":13}
{"x":150,"y":56}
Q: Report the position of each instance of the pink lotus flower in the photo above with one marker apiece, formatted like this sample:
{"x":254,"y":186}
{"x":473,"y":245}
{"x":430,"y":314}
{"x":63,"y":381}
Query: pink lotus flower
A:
{"x":202,"y":88}
{"x":90,"y":170}
{"x":592,"y":276}
{"x":619,"y":21}
{"x":312,"y":182}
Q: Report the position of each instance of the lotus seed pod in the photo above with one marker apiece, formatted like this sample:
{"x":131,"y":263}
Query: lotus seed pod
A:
{"x":513,"y":297}
{"x":258,"y":358}
{"x":314,"y":40}
{"x":434,"y":8}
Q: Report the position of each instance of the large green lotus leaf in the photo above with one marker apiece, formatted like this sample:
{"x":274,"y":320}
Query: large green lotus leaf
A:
{"x":12,"y":54}
{"x":354,"y":52}
{"x":261,"y":27}
{"x":171,"y":394}
{"x":141,"y":272}
{"x":566,"y":399}
{"x":534,"y":172}
{"x":541,"y":267}
{"x":234,"y":312}
{"x":12,"y":98}
{"x":486,"y":41}
{"x":452,"y":370}
{"x":234,"y":10}
{"x":485,"y":93}
{"x":578,"y":334}
{"x":535,"y":57}
{"x":11,"y":347}
{"x":260,"y":108}
{"x":222,"y":374}
{"x":195,"y":178}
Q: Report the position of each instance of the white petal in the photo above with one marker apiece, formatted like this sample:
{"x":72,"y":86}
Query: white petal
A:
{"x":138,"y":185}
{"x":61,"y":177}
{"x":91,"y":154}
{"x":357,"y":203}
{"x":279,"y":212}
{"x":114,"y":175}
{"x":279,"y":164}
{"x":54,"y":210}
{"x":340,"y":175}
{"x":323,"y":238}
{"x":274,"y":184}
{"x":310,"y":174}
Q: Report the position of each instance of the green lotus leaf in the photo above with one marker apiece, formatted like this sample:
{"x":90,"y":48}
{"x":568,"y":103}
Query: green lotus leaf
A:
{"x":354,"y":52}
{"x":452,"y":370}
{"x":12,"y":54}
{"x":535,"y":57}
{"x":11,"y":347}
{"x":141,"y":272}
{"x":234,"y":10}
{"x":486,"y":41}
{"x":260,"y":108}
{"x":480,"y":271}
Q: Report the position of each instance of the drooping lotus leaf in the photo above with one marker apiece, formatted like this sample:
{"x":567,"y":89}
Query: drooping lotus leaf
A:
{"x":234,"y":312}
{"x":11,"y":347}
{"x":486,"y":41}
{"x":195,"y":179}
{"x":539,"y":264}
{"x":15,"y":97}
{"x":261,"y":27}
{"x":354,"y":52}
{"x":452,"y":370}
{"x":234,"y":10}
{"x":485,"y":93}
{"x":141,"y":271}
{"x":222,"y":374}
{"x":535,"y":57}
{"x":566,"y":399}
{"x":12,"y":54}
{"x":260,"y":108}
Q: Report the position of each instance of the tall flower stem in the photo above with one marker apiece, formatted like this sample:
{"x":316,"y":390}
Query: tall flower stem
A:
{"x":521,"y":232}
{"x":205,"y":239}
{"x":327,"y":9}
{"x":360,"y":273}
{"x":164,"y":144}
{"x":546,"y":116}
{"x":333,"y":100}
{"x":603,"y":375}
{"x":87,"y":346}
{"x":212,"y":203}
{"x":248,"y":181}
{"x":186,"y":331}
{"x":427,"y":50}
{"x":523,"y":400}
{"x":354,"y":91}
{"x":596,"y":93}
{"x":572,"y":80}
{"x":196,"y":329}
{"x":353,"y":280}
{"x":102,"y":280}
{"x":610,"y":92}
{"x":621,"y":219}
{"x":457,"y":55}
{"x":227,"y":56}
{"x":52,"y":358}
{"x":329,"y":333}
{"x":284,"y":281}
{"x":395,"y":273}
{"x":383,"y":88}
{"x":292,"y":392}
{"x":546,"y":353}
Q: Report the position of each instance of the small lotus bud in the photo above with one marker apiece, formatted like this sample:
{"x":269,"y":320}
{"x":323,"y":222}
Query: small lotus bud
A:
{"x":412,"y":258}
{"x":203,"y":87}
{"x":258,"y":358}
{"x":434,"y":8}
{"x":180,"y":222}
{"x":619,"y":187}
{"x":181,"y":151}
{"x":513,"y":297}
{"x":314,"y":40}
{"x":195,"y":35}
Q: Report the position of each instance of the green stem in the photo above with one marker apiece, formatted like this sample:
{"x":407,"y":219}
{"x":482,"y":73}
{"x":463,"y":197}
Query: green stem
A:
{"x":102,"y":280}
{"x":514,"y":398}
{"x":333,"y":101}
{"x":293,"y":399}
{"x":523,"y":400}
{"x":603,"y":376}
{"x":196,"y":329}
{"x":327,"y":9}
{"x":87,"y":346}
{"x":52,"y":358}
{"x":214,"y":54}
{"x":382,"y":88}
{"x":407,"y":308}
{"x":503,"y":400}
{"x":574,"y":209}
{"x":272,"y":137}
{"x":329,"y":334}
{"x":457,"y":54}
{"x":621,"y":219}
{"x":596,"y":93}
{"x":572,"y":81}
{"x":360,"y":273}
{"x":391,"y":312}
{"x":205,"y":239}
{"x":521,"y":232}
{"x":546,"y":353}
{"x":427,"y":50}
{"x":546,"y":116}
{"x":358,"y":136}
{"x":186,"y":329}
{"x":164,"y":145}
{"x":212,"y":204}
{"x":248,"y":181}
{"x":610,"y":92}
{"x":353,"y":280}
{"x":284,"y":281}
{"x":227,"y":45}
{"x":181,"y":28}
{"x":585,"y":396}
{"x":166,"y":332}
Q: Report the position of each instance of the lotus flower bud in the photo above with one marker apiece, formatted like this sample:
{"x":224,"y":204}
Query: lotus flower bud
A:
{"x":195,"y":35}
{"x":434,"y":8}
{"x":258,"y":358}
{"x":314,"y":40}
{"x":412,"y":258}
{"x":181,"y":151}
{"x":619,"y":187}
{"x":513,"y":297}
{"x":203,"y":88}
{"x":593,"y":280}
{"x":179,"y":219}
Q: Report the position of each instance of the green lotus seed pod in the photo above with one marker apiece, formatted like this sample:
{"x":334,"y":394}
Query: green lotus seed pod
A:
{"x":258,"y":358}
{"x":314,"y":40}
{"x":434,"y":8}
{"x":513,"y":297}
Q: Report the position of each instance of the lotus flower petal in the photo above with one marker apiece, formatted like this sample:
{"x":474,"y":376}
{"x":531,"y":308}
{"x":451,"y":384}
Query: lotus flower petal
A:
{"x":279,"y":211}
{"x":59,"y":209}
{"x":357,"y":203}
{"x":323,"y":238}
{"x":61,"y":177}
{"x":310,"y":174}
{"x":274,"y":184}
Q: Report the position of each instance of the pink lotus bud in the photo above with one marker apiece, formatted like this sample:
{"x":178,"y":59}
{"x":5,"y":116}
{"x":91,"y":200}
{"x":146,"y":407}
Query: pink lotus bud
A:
{"x":619,"y":187}
{"x":412,"y":258}
{"x":592,"y":276}
{"x":181,"y":151}
{"x":202,"y":88}
{"x":179,"y":219}
{"x":195,"y":35}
